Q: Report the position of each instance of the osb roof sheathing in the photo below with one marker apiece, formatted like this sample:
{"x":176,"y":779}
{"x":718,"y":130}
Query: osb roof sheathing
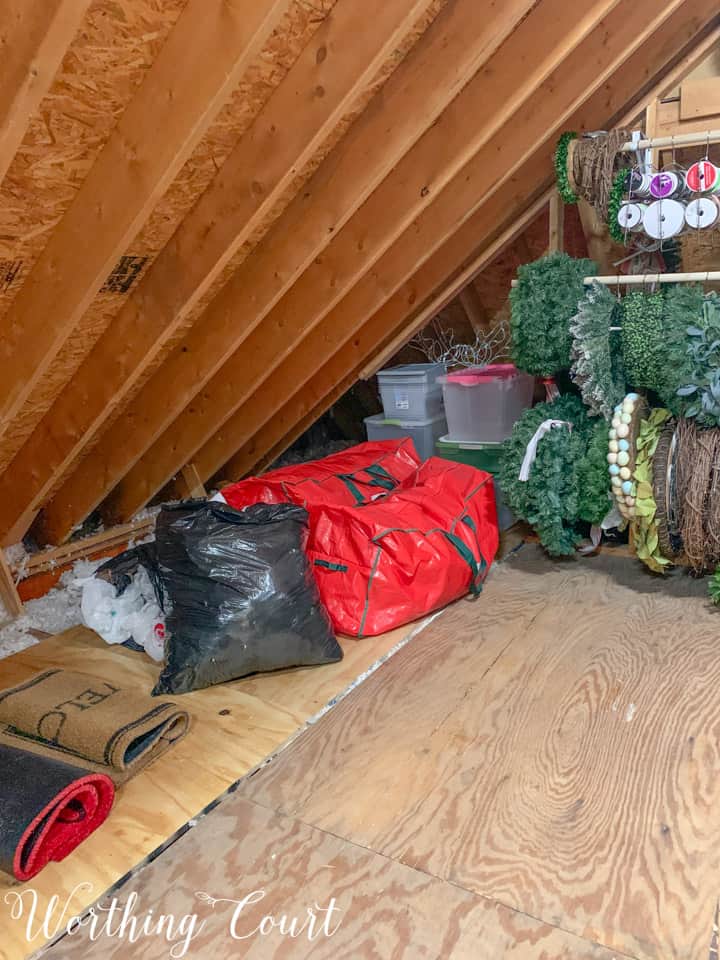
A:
{"x":280,"y":52}
{"x":200,"y":169}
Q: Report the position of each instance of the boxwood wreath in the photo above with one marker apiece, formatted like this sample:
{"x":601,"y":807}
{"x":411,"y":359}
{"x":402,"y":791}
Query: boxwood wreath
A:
{"x":542,"y":305}
{"x":643,"y":339}
{"x":597,"y":368}
{"x":568,"y":481}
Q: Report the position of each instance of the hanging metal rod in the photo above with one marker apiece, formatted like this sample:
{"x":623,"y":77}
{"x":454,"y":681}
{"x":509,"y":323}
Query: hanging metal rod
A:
{"x":704,"y":276}
{"x":681,"y":140}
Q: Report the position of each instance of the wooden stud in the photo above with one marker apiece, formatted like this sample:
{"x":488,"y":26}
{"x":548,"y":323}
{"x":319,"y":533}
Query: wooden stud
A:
{"x":8,"y":591}
{"x":556,"y":236}
{"x":35,"y":36}
{"x":341,"y":60}
{"x":208,"y":50}
{"x":474,"y":309}
{"x":445,"y":58}
{"x":528,"y":117}
{"x":193,"y":484}
{"x":601,"y":247}
{"x":297,"y":414}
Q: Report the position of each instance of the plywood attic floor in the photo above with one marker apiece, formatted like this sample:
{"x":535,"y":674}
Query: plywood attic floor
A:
{"x":235,"y":726}
{"x":536,"y":776}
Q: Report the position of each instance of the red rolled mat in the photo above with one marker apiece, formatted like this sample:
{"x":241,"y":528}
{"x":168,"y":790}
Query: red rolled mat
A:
{"x":47,"y":808}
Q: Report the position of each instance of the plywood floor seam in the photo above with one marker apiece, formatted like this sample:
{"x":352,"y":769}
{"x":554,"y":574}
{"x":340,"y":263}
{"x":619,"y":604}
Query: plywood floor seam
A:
{"x":526,"y":917}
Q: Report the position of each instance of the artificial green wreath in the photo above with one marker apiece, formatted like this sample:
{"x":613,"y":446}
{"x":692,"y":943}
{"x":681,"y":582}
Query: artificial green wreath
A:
{"x":552,"y":499}
{"x":643,"y":339}
{"x":567,"y":194}
{"x":683,"y":308}
{"x":701,"y":395}
{"x":617,"y":195}
{"x":542,"y":305}
{"x":597,"y":359}
{"x":594,"y":500}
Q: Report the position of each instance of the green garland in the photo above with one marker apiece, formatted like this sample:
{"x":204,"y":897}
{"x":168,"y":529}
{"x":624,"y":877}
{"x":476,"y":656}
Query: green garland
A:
{"x":617,"y":195}
{"x":567,"y":194}
{"x":542,"y":304}
{"x":597,"y":360}
{"x":644,"y":525}
{"x":643,"y":339}
{"x":550,"y":500}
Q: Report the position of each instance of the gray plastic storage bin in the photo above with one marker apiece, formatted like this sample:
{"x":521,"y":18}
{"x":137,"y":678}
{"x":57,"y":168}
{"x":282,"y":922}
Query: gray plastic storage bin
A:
{"x":423,"y":433}
{"x":483,"y":403}
{"x":412,"y":391}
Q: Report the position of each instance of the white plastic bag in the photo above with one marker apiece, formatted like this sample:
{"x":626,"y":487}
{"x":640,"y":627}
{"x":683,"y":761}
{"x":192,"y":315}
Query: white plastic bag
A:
{"x":134,"y":614}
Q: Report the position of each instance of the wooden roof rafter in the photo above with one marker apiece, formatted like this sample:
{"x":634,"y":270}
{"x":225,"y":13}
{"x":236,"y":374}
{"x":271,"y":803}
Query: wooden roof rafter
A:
{"x":325,"y":283}
{"x":326,"y":79}
{"x":432,"y":74}
{"x":545,"y":107}
{"x":439,"y":278}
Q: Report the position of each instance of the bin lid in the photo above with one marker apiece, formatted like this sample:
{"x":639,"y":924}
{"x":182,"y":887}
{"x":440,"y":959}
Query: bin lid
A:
{"x":474,"y":375}
{"x":447,"y":441}
{"x":380,"y":418}
{"x":413,"y":371}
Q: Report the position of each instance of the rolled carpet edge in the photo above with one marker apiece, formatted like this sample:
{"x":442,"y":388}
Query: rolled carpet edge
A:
{"x":47,"y":809}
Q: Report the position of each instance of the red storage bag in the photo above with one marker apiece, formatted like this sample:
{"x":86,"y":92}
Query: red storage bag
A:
{"x":352,"y":476}
{"x":393,"y":560}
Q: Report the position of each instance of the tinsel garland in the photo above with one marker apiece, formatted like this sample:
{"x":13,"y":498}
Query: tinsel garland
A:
{"x":643,"y":339}
{"x":567,"y":194}
{"x":617,"y":195}
{"x":550,"y":500}
{"x":542,"y":304}
{"x":597,"y":359}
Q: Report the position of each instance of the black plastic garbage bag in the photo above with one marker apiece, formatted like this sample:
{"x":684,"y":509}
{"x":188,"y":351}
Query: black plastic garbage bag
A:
{"x":119,"y":570}
{"x":242,"y":595}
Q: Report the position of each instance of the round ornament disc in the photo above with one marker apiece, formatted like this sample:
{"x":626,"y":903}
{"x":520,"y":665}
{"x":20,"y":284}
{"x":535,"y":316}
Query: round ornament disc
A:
{"x":701,"y":213}
{"x":664,"y":219}
{"x":630,"y":216}
{"x":702,"y":177}
{"x":666,"y":184}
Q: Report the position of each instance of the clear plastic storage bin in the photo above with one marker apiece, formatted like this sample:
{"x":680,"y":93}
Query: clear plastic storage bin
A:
{"x":412,"y":391}
{"x":483,"y":403}
{"x":423,"y":433}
